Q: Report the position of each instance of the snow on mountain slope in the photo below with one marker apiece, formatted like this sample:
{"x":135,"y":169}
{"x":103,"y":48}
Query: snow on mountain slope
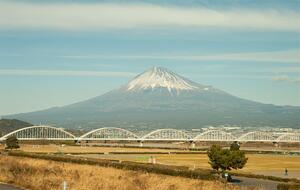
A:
{"x":159,"y":77}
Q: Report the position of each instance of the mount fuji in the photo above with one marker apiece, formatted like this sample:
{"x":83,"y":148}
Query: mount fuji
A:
{"x":160,"y":98}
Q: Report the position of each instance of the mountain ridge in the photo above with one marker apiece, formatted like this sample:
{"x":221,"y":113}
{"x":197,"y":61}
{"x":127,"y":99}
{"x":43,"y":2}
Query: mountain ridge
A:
{"x":9,"y":125}
{"x":159,"y":95}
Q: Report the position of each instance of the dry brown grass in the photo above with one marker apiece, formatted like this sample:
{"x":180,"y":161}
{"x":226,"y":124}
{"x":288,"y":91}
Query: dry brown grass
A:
{"x":38,"y":174}
{"x":255,"y":161}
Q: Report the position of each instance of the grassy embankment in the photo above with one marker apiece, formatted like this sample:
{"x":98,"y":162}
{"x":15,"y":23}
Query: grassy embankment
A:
{"x":36,"y":174}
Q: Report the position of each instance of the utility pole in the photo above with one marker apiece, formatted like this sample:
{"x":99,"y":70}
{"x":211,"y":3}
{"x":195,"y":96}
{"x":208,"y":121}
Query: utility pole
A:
{"x":64,"y":185}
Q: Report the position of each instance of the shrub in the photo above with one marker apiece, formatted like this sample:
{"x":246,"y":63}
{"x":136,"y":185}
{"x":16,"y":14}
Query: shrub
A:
{"x":12,"y":143}
{"x":288,"y":186}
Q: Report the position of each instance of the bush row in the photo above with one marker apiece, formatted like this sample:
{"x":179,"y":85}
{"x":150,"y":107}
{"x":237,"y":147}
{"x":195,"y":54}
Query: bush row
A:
{"x":151,"y":168}
{"x":288,"y":186}
{"x":139,"y":152}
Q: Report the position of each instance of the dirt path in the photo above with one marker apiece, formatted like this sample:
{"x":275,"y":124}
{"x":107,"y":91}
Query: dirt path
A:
{"x":253,"y":182}
{"x":276,"y":173}
{"x":8,"y":187}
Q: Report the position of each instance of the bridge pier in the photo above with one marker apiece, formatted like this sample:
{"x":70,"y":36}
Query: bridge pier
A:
{"x":141,"y":144}
{"x":193,"y":144}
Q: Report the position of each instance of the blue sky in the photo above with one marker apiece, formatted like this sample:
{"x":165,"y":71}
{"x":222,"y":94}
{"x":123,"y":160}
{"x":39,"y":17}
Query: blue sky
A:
{"x":53,"y":53}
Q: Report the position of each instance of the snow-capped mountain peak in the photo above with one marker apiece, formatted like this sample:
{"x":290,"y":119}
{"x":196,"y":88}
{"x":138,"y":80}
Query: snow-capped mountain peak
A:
{"x":159,"y":77}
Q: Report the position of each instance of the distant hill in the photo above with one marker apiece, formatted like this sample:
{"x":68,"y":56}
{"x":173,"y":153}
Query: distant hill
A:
{"x":159,"y":98}
{"x":9,"y":125}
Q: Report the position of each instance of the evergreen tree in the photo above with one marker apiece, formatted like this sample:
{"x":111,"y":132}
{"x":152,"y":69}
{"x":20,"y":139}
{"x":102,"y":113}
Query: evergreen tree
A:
{"x":235,"y":146}
{"x":12,"y":143}
{"x":226,"y":159}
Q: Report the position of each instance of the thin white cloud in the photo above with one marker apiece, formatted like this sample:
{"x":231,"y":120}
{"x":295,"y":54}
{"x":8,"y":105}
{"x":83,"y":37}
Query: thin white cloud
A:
{"x":16,"y":15}
{"x":296,"y":80}
{"x":285,"y":78}
{"x":286,"y":70}
{"x":281,"y":78}
{"x":289,"y":56}
{"x":275,"y":56}
{"x":237,"y":76}
{"x":18,"y":72}
{"x":68,"y":73}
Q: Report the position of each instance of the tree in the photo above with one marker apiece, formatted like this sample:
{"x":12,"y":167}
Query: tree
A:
{"x":12,"y":143}
{"x":238,"y":159}
{"x":226,"y":159}
{"x":235,"y":146}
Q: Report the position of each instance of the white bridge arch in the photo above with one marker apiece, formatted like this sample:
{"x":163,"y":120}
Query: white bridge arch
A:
{"x":109,"y":133}
{"x":214,"y":135}
{"x":289,"y":137}
{"x":167,"y":135}
{"x":257,"y":136}
{"x":43,"y":132}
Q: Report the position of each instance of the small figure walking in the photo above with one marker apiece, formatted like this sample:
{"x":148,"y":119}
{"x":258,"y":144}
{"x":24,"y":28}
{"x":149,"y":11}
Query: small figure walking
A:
{"x":286,"y":171}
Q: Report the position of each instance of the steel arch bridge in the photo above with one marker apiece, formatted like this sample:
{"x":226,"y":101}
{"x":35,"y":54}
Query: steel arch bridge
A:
{"x":166,"y":135}
{"x":118,"y":134}
{"x":289,"y":137}
{"x":40,"y":133}
{"x":257,"y":136}
{"x":214,"y":135}
{"x":109,"y":133}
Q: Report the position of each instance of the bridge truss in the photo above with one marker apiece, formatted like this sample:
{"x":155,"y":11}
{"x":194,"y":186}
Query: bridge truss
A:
{"x":215,"y":135}
{"x":109,"y":133}
{"x":40,"y":133}
{"x":166,"y":135}
{"x":289,"y":137}
{"x":257,"y":136}
{"x":119,"y":134}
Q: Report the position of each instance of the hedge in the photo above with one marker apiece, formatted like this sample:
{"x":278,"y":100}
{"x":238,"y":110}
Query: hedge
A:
{"x":288,"y":186}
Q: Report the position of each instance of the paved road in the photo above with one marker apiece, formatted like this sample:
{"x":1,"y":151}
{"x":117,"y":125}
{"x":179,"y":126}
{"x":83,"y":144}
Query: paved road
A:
{"x":253,"y":182}
{"x":8,"y":187}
